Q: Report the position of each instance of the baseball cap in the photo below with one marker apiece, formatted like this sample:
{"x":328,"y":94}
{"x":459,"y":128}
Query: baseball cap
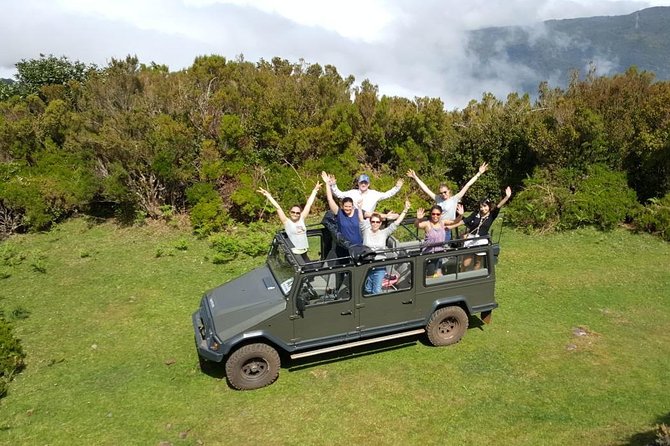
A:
{"x":364,"y":179}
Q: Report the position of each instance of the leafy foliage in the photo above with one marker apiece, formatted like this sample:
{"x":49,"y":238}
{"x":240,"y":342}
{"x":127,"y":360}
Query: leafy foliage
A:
{"x":11,"y":355}
{"x":138,"y":141}
{"x":655,"y":217}
{"x":570,"y":199}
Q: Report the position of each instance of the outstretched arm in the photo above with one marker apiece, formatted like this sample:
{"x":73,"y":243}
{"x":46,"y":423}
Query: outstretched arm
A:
{"x":422,"y":185}
{"x":334,"y":208}
{"x":310,"y":201}
{"x":481,"y":171}
{"x":359,"y":211}
{"x":508,"y":193}
{"x":451,"y":224}
{"x":403,"y":213}
{"x":280,"y":211}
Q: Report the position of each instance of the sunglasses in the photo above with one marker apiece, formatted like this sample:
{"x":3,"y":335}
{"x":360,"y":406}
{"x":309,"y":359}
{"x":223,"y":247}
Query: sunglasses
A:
{"x":436,"y":213}
{"x":375,"y":221}
{"x":295,"y":212}
{"x":443,"y":192}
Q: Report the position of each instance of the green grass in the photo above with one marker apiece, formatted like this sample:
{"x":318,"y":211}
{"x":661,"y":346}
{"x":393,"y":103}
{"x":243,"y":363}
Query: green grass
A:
{"x":111,"y":359}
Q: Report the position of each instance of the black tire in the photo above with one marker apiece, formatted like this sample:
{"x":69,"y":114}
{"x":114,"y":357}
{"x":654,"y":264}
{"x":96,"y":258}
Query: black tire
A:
{"x":447,"y":326}
{"x":252,"y":367}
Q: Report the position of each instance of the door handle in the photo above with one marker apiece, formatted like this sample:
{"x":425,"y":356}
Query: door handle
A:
{"x":407,"y":302}
{"x":346,"y":313}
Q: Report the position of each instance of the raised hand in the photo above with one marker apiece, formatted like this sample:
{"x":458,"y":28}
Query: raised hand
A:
{"x":411,"y":173}
{"x":264,"y":192}
{"x":483,"y":168}
{"x":460,"y":210}
{"x":399,"y":183}
{"x":420,"y":213}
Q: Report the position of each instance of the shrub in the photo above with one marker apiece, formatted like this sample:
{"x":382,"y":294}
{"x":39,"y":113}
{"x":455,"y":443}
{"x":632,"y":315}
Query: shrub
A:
{"x":252,"y":240}
{"x":569,"y":199}
{"x":662,"y":436}
{"x":11,"y":355}
{"x":655,"y":217}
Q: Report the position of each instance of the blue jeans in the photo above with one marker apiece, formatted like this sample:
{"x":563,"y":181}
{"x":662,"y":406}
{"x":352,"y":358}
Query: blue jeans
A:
{"x":373,"y":282}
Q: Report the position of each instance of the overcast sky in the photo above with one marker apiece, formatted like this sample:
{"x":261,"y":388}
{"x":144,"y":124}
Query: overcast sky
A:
{"x":407,"y":47}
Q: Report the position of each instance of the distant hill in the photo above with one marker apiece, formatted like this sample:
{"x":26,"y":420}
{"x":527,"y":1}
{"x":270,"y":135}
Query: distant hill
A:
{"x":550,"y":50}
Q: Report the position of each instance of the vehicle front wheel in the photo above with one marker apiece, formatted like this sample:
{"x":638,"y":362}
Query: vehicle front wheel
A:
{"x":252,"y":367}
{"x":447,"y":326}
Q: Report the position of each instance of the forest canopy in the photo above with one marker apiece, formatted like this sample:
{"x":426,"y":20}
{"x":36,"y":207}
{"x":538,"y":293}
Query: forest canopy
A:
{"x":132,"y":140}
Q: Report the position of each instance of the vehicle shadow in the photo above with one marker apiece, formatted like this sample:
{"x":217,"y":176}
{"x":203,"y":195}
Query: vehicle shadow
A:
{"x":649,"y":438}
{"x":217,"y":370}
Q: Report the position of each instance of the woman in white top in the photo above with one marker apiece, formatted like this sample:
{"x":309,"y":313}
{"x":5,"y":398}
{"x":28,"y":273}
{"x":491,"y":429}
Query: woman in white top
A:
{"x":375,"y":239}
{"x":295,"y":224}
{"x":445,"y":199}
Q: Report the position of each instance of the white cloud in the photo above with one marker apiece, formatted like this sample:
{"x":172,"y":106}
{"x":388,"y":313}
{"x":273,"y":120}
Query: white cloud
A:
{"x":406,"y":47}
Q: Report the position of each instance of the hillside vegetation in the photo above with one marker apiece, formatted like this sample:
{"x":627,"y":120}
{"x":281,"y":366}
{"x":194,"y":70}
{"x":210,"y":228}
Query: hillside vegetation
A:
{"x":135,"y":141}
{"x":577,"y":353}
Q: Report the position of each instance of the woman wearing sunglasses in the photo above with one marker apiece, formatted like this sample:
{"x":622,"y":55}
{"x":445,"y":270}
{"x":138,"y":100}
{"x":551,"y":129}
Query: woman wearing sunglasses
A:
{"x":375,"y":239}
{"x":294,"y":224}
{"x":444,"y":199}
{"x":435,"y":236}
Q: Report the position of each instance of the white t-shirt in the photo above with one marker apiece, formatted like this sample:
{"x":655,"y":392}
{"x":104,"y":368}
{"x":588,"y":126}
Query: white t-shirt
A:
{"x":297,"y":233}
{"x":370,"y":198}
{"x":376,"y":240}
{"x":448,"y":206}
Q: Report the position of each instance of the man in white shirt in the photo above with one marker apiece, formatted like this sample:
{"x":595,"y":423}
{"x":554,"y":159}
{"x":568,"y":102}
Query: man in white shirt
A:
{"x":369,"y":197}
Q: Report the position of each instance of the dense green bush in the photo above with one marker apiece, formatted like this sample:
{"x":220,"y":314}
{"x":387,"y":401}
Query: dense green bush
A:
{"x":252,"y":240}
{"x":11,"y":355}
{"x":569,"y":199}
{"x":655,"y":217}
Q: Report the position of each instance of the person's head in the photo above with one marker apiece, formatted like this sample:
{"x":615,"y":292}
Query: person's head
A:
{"x":485,"y":206}
{"x":375,"y":221}
{"x":294,"y":213}
{"x":363,"y":182}
{"x":435,"y":214}
{"x":444,"y":192}
{"x":348,"y":205}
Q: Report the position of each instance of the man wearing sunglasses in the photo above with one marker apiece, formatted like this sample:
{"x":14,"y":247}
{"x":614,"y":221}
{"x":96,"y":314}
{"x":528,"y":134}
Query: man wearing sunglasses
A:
{"x":444,"y":199}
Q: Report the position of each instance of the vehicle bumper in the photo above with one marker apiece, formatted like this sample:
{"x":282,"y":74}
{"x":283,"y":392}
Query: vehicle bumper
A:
{"x":201,"y":343}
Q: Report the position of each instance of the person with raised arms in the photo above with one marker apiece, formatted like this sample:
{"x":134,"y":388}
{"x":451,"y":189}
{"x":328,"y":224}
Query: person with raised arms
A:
{"x":444,"y":199}
{"x":294,"y":224}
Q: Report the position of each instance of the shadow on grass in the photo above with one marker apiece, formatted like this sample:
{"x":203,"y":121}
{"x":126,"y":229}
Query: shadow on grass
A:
{"x":294,"y":365}
{"x":647,"y":438}
{"x":217,"y":370}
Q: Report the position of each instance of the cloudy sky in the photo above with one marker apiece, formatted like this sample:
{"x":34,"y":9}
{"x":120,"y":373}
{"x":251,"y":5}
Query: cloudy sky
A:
{"x":407,"y":47}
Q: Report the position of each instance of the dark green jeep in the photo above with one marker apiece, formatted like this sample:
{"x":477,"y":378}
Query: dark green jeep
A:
{"x":300,"y":308}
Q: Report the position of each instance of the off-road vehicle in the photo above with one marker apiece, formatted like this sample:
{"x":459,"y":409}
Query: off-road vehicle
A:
{"x":298,"y":309}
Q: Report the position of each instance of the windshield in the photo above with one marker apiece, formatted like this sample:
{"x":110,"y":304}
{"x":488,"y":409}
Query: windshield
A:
{"x":281,"y":268}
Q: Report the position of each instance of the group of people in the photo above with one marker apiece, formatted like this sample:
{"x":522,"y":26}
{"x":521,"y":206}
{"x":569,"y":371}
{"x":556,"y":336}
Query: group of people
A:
{"x":360,"y":224}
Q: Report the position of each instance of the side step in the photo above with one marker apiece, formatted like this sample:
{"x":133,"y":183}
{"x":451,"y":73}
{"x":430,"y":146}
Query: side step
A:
{"x":357,"y":343}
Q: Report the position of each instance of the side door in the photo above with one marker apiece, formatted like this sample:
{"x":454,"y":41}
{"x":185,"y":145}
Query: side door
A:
{"x":323,"y":309}
{"x":394,"y":305}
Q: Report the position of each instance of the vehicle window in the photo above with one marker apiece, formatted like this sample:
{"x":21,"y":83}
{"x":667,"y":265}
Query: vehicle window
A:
{"x":314,"y":250}
{"x":450,"y":268}
{"x":388,"y":279}
{"x":325,"y":288}
{"x":281,"y":267}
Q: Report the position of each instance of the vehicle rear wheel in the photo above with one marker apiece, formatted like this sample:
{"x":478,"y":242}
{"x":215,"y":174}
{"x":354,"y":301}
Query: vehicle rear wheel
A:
{"x":252,"y":367}
{"x":447,"y":326}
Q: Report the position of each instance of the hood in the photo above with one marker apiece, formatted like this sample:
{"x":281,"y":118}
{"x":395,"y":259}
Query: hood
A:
{"x":244,"y":302}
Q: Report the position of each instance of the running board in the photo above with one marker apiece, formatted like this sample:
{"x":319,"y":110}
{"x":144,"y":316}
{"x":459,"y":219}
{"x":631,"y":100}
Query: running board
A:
{"x":357,"y":343}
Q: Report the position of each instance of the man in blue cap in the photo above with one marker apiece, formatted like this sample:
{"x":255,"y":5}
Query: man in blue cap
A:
{"x":369,"y":197}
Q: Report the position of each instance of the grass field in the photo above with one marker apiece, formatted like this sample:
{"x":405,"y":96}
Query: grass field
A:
{"x":578,"y":352}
